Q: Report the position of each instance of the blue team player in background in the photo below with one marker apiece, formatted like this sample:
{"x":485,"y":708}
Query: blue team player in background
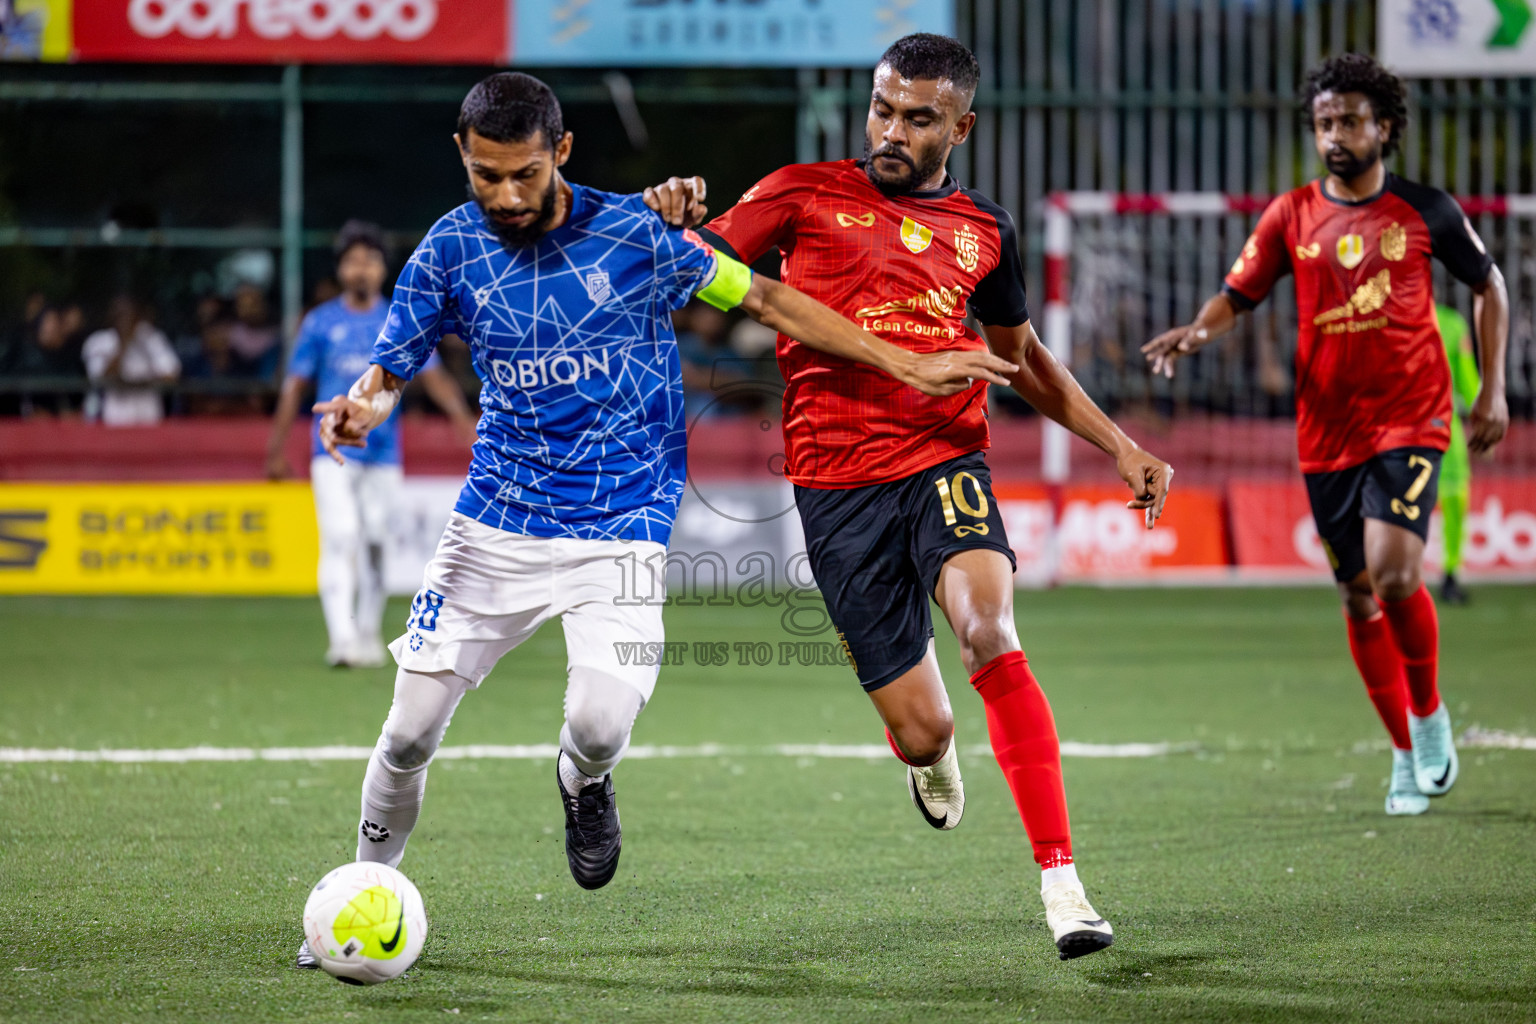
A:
{"x":353,"y":502}
{"x":564,"y":294}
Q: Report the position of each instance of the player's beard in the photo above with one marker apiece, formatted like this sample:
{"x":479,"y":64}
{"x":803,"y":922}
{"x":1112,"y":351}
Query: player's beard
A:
{"x":918,"y":172}
{"x":522,"y":237}
{"x":1347,"y":165}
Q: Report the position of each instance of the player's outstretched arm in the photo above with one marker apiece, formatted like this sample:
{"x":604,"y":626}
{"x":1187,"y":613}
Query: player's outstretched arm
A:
{"x":346,"y":419}
{"x":288,"y":402}
{"x":1216,"y":318}
{"x":1048,"y":386}
{"x":1490,"y":413}
{"x":796,"y":314}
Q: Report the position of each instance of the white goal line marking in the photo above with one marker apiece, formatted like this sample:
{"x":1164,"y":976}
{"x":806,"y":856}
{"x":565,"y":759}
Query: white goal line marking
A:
{"x":541,"y":752}
{"x":1475,"y":737}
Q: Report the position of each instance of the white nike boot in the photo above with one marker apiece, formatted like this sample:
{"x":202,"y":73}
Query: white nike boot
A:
{"x":937,"y":791}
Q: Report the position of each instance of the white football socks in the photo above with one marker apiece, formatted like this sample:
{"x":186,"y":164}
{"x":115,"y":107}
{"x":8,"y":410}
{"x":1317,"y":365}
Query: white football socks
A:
{"x":391,"y":805}
{"x":573,"y":778}
{"x":1065,"y":873}
{"x":393,"y":787}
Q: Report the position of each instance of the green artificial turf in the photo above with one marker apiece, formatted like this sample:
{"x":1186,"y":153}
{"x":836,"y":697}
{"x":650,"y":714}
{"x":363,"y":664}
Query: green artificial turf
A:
{"x":1253,"y":878}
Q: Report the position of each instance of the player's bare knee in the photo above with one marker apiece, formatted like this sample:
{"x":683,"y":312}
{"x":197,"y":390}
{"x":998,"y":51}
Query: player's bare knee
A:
{"x":924,"y":740}
{"x":1359,"y":598}
{"x":1396,"y":582}
{"x":984,"y":638}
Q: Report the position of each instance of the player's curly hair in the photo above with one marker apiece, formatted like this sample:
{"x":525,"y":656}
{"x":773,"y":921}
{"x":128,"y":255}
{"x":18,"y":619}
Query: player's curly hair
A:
{"x":1355,"y":72}
{"x":930,"y":56}
{"x":509,"y":107}
{"x":360,"y":232}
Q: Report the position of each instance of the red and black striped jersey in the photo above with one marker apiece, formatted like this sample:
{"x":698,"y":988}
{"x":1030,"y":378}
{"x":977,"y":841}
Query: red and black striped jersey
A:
{"x":1371,"y":372}
{"x":905,"y":269}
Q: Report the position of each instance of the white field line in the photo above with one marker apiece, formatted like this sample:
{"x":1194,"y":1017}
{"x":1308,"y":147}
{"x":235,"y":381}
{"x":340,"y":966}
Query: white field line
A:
{"x":1474,"y":737}
{"x":538,"y":752}
{"x":1495,"y":739}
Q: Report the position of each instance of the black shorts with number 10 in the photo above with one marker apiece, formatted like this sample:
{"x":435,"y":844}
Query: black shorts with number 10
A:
{"x":876,"y":552}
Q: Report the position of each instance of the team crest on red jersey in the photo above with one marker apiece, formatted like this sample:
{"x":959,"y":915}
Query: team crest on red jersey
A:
{"x":1394,"y":242}
{"x":1351,"y":250}
{"x":914,"y":236}
{"x":967,"y":248}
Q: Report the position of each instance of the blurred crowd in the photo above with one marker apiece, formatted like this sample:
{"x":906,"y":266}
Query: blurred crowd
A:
{"x":121,"y":368}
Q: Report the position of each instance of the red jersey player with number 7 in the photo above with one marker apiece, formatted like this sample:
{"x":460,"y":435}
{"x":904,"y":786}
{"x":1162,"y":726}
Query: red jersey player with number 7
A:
{"x":1373,"y":388}
{"x":891,"y":484}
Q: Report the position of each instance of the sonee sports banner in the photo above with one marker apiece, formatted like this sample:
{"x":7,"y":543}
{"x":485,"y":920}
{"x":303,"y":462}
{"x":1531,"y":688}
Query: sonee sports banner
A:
{"x":157,"y":539}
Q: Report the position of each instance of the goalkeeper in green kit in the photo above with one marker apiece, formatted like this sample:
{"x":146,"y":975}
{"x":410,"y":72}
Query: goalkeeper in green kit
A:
{"x":1456,"y":467}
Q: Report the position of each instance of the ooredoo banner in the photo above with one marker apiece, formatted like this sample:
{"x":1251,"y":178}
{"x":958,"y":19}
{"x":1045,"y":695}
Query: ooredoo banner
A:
{"x":263,"y":31}
{"x":1272,"y":529}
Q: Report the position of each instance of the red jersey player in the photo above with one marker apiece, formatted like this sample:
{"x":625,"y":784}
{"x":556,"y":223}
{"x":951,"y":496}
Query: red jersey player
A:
{"x":891,"y":484}
{"x":1373,"y":389}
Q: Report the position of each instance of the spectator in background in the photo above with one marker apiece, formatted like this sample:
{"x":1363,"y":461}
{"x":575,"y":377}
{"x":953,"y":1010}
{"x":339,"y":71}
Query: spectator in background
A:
{"x":253,"y":337}
{"x":215,"y":360}
{"x":127,"y":359}
{"x":13,"y":336}
{"x":41,"y":351}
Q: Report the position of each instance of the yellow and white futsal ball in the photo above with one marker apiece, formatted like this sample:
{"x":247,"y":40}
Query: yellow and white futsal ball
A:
{"x":365,"y":923}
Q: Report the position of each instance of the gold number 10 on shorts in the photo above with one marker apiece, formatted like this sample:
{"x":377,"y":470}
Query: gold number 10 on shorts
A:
{"x":1404,"y":506}
{"x":952,"y":495}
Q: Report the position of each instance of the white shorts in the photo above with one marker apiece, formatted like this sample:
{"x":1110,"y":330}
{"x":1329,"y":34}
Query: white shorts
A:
{"x":487,"y":590}
{"x":354,"y":502}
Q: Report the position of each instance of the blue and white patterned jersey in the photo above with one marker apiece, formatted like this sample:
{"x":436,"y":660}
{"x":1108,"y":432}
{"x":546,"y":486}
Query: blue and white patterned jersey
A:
{"x":334,"y":347}
{"x":582,"y":433}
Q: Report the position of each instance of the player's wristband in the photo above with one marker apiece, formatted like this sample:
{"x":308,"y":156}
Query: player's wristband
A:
{"x":380,"y":404}
{"x":730,"y":285}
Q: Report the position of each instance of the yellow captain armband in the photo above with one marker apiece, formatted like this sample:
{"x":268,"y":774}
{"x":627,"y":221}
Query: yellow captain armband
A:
{"x":729,"y":286}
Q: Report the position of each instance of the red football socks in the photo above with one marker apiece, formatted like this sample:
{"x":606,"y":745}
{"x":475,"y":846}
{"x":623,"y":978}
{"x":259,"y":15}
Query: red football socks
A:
{"x":1023,"y":734}
{"x":1416,"y":628}
{"x":1381,"y":666}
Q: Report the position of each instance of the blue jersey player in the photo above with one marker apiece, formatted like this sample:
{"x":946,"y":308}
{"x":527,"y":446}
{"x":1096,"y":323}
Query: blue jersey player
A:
{"x":353,"y":501}
{"x":564,"y":294}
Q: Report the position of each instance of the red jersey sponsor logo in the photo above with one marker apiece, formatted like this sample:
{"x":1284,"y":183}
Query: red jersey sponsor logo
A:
{"x":1370,"y":368}
{"x":915,"y":236}
{"x":850,"y":247}
{"x":967,"y":248}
